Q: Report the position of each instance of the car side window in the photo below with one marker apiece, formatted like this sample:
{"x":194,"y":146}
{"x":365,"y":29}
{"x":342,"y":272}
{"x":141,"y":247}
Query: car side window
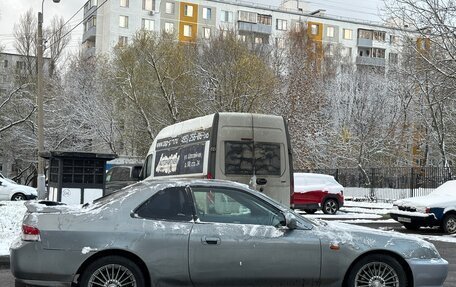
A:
{"x":168,"y":204}
{"x":224,"y":205}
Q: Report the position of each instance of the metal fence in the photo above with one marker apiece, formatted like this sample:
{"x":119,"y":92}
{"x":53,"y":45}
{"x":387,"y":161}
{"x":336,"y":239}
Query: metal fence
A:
{"x":388,"y":183}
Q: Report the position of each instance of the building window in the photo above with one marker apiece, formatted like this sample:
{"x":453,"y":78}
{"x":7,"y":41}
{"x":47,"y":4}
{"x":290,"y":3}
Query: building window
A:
{"x":348,"y":34}
{"x":206,"y":33}
{"x":123,"y":40}
{"x":93,"y":3}
{"x":207,"y":13}
{"x":258,"y":40}
{"x":330,"y":32}
{"x":348,"y":52}
{"x":148,"y":24}
{"x":314,"y":29}
{"x":246,"y":16}
{"x":280,"y":43}
{"x":20,"y":65}
{"x":169,"y":27}
{"x":298,"y":27}
{"x":123,"y":21}
{"x":169,"y":8}
{"x":124,"y":3}
{"x":149,"y":5}
{"x":394,"y":39}
{"x":379,"y":36}
{"x":187,"y":30}
{"x":365,"y":34}
{"x":188,"y":10}
{"x":92,"y":22}
{"x":264,"y":19}
{"x":378,"y":53}
{"x":242,"y":38}
{"x":393,"y":58}
{"x":281,"y":25}
{"x":226,"y":16}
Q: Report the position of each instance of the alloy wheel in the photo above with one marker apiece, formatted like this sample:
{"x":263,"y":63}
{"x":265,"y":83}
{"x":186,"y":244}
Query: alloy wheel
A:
{"x":112,"y":275}
{"x":330,"y":206}
{"x":377,"y":274}
{"x":450,"y":225}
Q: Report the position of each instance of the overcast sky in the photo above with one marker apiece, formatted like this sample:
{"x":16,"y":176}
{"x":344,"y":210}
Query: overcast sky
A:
{"x":10,"y":11}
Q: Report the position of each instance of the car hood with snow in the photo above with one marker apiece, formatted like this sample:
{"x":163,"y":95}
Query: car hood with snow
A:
{"x":444,"y":195}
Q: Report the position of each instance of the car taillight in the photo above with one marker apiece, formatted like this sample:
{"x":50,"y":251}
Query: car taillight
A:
{"x":427,"y":210}
{"x":209,"y":176}
{"x":30,"y":233}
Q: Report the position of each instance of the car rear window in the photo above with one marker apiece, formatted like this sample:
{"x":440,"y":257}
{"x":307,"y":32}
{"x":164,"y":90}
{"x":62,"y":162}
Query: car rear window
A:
{"x":243,"y":157}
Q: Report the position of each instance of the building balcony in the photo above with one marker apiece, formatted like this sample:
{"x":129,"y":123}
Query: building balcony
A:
{"x":365,"y":42}
{"x":90,"y":34}
{"x":254,"y":27}
{"x":370,"y":61}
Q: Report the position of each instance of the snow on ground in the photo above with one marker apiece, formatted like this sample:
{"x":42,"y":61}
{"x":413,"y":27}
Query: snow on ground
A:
{"x":11,"y":214}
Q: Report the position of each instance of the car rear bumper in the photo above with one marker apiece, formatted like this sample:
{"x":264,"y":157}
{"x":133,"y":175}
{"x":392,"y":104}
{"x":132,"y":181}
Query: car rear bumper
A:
{"x":32,"y":265}
{"x":415,"y":218}
{"x":428,"y":273}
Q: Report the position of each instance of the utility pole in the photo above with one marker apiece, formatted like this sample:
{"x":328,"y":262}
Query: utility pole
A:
{"x":41,"y":184}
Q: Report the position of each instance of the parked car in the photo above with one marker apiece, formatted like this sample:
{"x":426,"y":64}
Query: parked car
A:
{"x":10,"y":190}
{"x":118,"y":177}
{"x":209,"y":233}
{"x":436,"y":209}
{"x":248,"y":148}
{"x":313,"y":191}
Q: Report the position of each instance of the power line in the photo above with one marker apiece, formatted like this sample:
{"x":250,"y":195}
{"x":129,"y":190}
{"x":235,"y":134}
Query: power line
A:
{"x":66,"y":22}
{"x":83,"y":20}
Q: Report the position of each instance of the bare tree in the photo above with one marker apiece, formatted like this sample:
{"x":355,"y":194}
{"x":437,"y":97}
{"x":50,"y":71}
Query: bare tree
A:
{"x":57,"y":39}
{"x":25,"y":39}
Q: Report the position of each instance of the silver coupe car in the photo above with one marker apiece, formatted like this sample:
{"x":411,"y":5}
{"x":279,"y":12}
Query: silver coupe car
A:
{"x":209,"y":233}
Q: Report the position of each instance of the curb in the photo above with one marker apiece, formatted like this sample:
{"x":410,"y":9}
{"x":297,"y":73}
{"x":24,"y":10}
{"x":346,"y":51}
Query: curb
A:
{"x":4,"y":262}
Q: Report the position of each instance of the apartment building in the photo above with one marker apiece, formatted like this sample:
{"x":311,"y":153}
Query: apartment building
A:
{"x":108,"y":23}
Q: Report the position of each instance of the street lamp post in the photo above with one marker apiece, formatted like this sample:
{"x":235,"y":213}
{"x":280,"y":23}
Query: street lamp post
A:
{"x":39,"y":101}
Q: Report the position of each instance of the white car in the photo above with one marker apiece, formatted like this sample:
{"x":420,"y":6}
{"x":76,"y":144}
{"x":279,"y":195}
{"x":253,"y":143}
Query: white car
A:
{"x":436,"y":209}
{"x":10,"y":190}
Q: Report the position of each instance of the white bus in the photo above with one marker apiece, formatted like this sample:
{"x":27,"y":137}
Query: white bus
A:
{"x":248,"y":148}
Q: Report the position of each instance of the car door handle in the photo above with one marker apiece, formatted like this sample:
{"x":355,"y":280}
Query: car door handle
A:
{"x":261,"y":181}
{"x":210,"y":240}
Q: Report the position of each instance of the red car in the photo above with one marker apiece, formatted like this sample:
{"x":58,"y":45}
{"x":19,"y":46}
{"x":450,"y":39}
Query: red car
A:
{"x":314,"y":191}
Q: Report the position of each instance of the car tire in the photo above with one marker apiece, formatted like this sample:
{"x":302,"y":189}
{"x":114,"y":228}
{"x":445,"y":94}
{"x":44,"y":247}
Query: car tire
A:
{"x":18,"y":197}
{"x":449,"y":224}
{"x":411,"y":226}
{"x":330,"y":206}
{"x":111,"y":264}
{"x":366,"y":272}
{"x":310,"y":211}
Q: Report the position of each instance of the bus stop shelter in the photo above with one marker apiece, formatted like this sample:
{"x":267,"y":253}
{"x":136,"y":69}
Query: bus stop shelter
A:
{"x":76,"y":177}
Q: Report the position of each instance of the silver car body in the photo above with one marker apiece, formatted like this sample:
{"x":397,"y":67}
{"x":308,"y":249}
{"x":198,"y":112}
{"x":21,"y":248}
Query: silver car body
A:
{"x":198,"y":253}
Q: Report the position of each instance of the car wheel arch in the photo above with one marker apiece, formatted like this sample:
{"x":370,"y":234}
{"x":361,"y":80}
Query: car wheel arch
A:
{"x":117,"y":252}
{"x":449,"y":210}
{"x":392,"y":254}
{"x":330,"y":196}
{"x":15,"y":193}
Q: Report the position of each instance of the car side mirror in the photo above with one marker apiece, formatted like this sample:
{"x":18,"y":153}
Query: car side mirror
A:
{"x":291,"y":222}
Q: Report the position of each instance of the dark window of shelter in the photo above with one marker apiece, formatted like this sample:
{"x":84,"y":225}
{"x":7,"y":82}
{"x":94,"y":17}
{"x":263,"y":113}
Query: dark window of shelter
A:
{"x":169,"y":204}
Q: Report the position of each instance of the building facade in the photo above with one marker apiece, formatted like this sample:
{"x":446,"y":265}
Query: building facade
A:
{"x":108,"y":23}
